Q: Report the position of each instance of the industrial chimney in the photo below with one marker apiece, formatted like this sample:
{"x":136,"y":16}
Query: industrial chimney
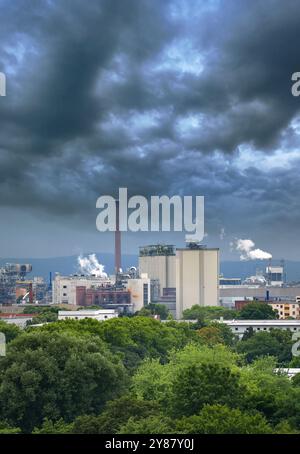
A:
{"x":117,"y":241}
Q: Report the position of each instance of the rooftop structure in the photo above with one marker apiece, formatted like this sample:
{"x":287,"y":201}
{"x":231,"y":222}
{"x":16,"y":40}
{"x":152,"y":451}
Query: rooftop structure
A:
{"x":157,"y":249}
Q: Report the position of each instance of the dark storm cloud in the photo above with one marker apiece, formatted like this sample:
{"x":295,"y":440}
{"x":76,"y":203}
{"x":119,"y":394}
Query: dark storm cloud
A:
{"x":158,"y":96}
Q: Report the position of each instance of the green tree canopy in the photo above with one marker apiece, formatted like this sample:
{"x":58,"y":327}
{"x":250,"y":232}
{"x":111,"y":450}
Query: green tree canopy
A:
{"x":220,"y":419}
{"x":135,"y":338}
{"x":257,"y":311}
{"x":207,"y":313}
{"x":116,"y":413}
{"x":10,"y":330}
{"x":57,"y":376}
{"x":155,"y":309}
{"x":276,"y":343}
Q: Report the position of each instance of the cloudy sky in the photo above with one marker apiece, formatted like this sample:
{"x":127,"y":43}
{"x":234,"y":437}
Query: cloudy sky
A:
{"x":159,"y":96}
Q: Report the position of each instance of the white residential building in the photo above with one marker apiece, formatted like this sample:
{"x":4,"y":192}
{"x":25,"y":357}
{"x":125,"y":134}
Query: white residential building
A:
{"x":100,"y":315}
{"x":239,"y":327}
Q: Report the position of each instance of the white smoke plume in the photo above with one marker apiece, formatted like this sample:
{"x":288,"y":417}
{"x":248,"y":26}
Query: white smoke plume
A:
{"x":90,"y":265}
{"x":246,"y":247}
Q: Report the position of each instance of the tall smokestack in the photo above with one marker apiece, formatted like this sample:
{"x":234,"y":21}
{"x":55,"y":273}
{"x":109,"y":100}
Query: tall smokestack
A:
{"x":117,"y":241}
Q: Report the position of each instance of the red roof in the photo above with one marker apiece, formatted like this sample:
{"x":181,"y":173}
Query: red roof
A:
{"x":13,"y":315}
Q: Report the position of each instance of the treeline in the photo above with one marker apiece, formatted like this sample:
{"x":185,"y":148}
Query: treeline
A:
{"x":139,"y":375}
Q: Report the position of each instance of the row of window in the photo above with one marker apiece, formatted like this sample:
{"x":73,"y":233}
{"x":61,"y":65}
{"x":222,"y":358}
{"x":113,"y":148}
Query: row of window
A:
{"x":265,"y":329}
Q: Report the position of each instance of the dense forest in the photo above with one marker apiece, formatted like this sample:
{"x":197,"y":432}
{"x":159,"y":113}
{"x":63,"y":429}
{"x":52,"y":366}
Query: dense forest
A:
{"x":137,"y":375}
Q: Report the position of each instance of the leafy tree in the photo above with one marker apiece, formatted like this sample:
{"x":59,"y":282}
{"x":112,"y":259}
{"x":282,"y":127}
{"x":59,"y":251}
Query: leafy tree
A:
{"x":212,"y":419}
{"x":10,"y":330}
{"x":274,"y":343}
{"x":155,"y":381}
{"x":144,"y":312}
{"x":56,"y":427}
{"x":220,"y":419}
{"x":224,"y":333}
{"x":155,"y":309}
{"x":36,"y":309}
{"x":134,"y":338}
{"x":210,"y":335}
{"x":248,"y":333}
{"x":116,"y":413}
{"x":288,"y":408}
{"x":5,"y":428}
{"x":207,"y":313}
{"x":265,"y":390}
{"x":257,"y":311}
{"x":43,"y":317}
{"x":159,"y":424}
{"x":296,"y":380}
{"x":57,"y":376}
{"x":197,"y":385}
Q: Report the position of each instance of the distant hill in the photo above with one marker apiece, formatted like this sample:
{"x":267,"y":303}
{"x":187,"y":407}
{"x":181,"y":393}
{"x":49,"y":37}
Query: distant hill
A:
{"x":69,"y":265}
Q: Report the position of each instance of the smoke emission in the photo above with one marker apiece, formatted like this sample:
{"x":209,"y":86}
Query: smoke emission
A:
{"x":246,"y":247}
{"x":90,"y":265}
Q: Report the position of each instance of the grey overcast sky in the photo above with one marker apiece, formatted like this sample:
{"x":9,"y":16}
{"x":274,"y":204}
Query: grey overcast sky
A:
{"x":159,"y":96}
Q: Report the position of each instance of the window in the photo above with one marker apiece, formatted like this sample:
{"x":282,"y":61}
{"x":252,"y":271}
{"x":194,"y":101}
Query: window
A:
{"x":64,"y":294}
{"x":64,"y":286}
{"x":145,"y":294}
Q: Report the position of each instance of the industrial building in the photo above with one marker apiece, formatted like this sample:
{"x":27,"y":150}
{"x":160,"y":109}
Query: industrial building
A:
{"x":181,"y":278}
{"x":9,"y":275}
{"x":228,"y":295}
{"x":229,"y":281}
{"x":64,"y":287}
{"x":158,"y":261}
{"x":128,"y":294}
{"x":197,"y":277}
{"x":275,"y":275}
{"x":102,"y":296}
{"x":139,"y":289}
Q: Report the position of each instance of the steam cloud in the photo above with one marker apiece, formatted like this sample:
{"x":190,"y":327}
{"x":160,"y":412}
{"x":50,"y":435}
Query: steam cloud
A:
{"x":90,"y":265}
{"x":246,"y":247}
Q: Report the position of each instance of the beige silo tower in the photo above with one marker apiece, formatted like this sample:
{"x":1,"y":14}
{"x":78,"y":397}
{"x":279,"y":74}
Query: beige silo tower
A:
{"x":197,"y":277}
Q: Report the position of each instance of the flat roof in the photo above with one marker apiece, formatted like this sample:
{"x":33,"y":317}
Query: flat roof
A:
{"x":261,"y":322}
{"x":198,"y":249}
{"x":88,"y":312}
